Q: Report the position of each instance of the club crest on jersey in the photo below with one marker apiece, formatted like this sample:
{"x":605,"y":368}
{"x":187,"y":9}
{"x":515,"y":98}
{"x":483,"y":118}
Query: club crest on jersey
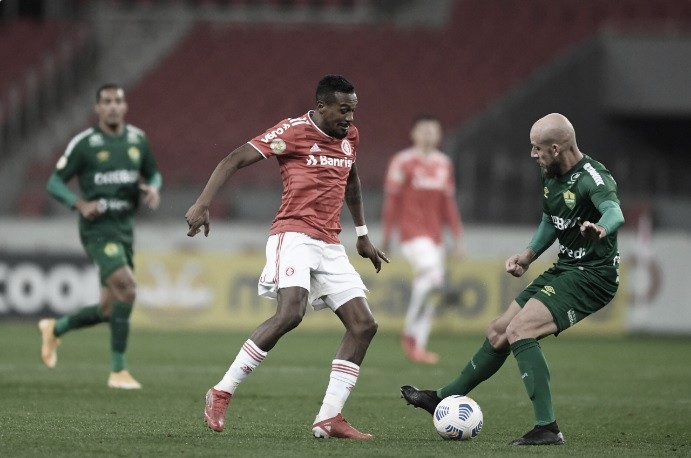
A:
{"x":102,"y":156}
{"x":134,"y":154}
{"x":346,"y":148}
{"x":570,"y":199}
{"x":278,"y":146}
{"x":111,"y":249}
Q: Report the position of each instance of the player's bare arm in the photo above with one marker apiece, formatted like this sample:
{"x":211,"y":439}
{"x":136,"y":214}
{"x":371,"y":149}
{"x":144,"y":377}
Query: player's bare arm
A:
{"x":198,"y":214}
{"x":518,"y":264}
{"x":353,"y":198}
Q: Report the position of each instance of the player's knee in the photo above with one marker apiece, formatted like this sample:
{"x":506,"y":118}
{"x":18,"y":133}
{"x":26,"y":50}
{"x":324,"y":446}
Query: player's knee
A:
{"x":289,"y":319}
{"x":365,"y":329}
{"x":516,"y":331}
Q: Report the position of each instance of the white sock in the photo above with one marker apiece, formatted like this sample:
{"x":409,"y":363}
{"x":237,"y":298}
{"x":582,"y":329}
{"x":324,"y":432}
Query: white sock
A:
{"x":246,"y":361}
{"x":343,"y":377}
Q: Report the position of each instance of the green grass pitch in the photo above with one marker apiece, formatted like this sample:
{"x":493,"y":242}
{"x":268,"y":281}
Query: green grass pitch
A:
{"x":613,"y":397}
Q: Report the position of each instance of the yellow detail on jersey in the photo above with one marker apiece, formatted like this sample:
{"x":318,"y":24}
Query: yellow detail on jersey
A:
{"x":134,"y":153}
{"x":570,"y":199}
{"x":111,"y":249}
{"x":545,"y":191}
{"x":103,"y":156}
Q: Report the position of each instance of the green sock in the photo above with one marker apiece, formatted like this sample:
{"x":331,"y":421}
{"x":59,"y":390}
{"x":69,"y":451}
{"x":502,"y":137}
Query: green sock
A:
{"x":485,"y":363}
{"x":535,"y":374}
{"x":87,"y":316}
{"x":119,"y":332}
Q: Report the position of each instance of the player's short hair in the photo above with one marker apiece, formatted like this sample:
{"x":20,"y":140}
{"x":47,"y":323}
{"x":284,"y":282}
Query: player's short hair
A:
{"x":424,"y":117}
{"x":331,"y":84}
{"x":105,"y":87}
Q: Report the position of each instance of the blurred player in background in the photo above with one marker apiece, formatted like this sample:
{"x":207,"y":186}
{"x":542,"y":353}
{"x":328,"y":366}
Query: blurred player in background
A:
{"x":419,"y":200}
{"x":306,"y":264}
{"x":115,"y":168}
{"x":581,"y":210}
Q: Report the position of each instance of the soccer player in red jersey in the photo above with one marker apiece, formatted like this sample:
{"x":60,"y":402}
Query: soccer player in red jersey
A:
{"x":306,"y":264}
{"x":419,"y":201}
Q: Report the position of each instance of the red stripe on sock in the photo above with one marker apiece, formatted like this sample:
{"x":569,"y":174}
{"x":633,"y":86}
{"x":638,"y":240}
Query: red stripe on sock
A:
{"x":345,"y":369}
{"x":252,"y":352}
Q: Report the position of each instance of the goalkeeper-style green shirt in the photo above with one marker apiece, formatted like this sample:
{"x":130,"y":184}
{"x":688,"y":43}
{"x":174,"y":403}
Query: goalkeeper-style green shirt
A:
{"x":573,"y":198}
{"x":109,"y":169}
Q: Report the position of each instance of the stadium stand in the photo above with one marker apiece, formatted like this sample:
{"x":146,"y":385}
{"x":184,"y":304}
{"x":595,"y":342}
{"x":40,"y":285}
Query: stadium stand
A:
{"x":226,"y":81}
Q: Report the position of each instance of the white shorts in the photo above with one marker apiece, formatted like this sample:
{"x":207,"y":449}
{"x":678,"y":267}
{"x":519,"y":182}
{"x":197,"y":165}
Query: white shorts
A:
{"x":323,"y":269}
{"x":424,"y":255}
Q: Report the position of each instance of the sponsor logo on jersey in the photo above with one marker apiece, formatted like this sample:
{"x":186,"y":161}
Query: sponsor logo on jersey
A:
{"x":111,"y":249}
{"x":134,"y":154}
{"x":278,"y":146}
{"x":315,"y":149}
{"x":278,"y":131}
{"x":103,"y":155}
{"x":594,"y":173}
{"x":114,"y":205}
{"x":116,"y":177}
{"x":570,"y":199}
{"x":576,"y":254}
{"x":329,"y":161}
{"x":563,"y":224}
{"x":96,"y":140}
{"x":346,"y":148}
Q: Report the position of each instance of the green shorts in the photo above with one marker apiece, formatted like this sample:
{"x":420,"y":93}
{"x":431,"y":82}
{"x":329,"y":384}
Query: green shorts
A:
{"x":572,"y":294}
{"x":109,"y":257}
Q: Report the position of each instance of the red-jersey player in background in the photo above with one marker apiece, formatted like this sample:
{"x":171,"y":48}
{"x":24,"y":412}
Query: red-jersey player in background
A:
{"x":305,"y":262}
{"x":419,"y":201}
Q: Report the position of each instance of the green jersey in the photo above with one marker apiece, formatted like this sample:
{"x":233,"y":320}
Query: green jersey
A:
{"x":109,"y":169}
{"x":574,"y":198}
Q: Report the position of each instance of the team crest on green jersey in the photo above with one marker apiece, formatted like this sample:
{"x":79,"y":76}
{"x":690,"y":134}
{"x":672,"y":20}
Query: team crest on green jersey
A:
{"x":111,"y":249}
{"x":103,"y":156}
{"x":570,"y":199}
{"x":134,"y":154}
{"x":545,"y":191}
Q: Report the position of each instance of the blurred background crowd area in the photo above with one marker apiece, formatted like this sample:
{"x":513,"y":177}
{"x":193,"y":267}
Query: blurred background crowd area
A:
{"x":204,"y":76}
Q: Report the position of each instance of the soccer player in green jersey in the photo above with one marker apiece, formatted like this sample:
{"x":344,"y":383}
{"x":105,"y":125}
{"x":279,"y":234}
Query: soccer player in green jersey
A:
{"x":581,"y":210}
{"x":115,"y":169}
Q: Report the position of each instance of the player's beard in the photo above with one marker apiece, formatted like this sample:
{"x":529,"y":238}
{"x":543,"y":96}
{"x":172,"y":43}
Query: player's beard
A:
{"x":551,"y":171}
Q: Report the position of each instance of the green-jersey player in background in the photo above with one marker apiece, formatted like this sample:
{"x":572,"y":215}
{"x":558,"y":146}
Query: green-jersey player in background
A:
{"x":580,"y":210}
{"x":115,"y":169}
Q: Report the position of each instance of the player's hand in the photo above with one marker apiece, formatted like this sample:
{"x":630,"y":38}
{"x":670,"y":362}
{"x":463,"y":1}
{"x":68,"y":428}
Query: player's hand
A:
{"x":196,"y":217}
{"x":90,"y":209}
{"x":367,"y":250}
{"x":593,"y":231}
{"x":517,"y":265}
{"x":151,"y":196}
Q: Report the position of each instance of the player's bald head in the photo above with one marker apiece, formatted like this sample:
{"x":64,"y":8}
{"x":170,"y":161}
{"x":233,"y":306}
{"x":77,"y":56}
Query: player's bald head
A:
{"x":553,"y":129}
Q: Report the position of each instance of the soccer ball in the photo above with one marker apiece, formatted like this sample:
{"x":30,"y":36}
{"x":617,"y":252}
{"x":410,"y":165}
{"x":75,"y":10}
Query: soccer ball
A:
{"x":458,"y":418}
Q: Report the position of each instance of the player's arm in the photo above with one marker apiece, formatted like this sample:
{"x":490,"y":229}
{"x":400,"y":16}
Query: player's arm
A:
{"x":353,"y":198}
{"x":69,"y":165}
{"x":151,"y":186}
{"x":543,"y":238}
{"x":392,"y":197}
{"x":198,"y":214}
{"x":611,"y":220}
{"x":452,"y":215}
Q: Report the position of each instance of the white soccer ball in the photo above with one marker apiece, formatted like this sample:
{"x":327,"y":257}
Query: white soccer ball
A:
{"x":458,"y":418}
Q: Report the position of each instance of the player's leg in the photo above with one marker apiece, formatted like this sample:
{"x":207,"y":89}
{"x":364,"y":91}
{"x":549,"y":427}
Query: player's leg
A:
{"x":485,"y":363}
{"x":532,"y":323}
{"x":286,"y":276}
{"x":427,"y":261}
{"x":117,"y":302}
{"x":352,"y":309}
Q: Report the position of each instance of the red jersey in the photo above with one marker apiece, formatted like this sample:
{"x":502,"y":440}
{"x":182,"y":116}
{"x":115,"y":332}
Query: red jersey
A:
{"x":420,"y":196}
{"x":314,"y":169}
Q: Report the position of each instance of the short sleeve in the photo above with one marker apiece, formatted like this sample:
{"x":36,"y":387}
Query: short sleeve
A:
{"x":278,"y":140}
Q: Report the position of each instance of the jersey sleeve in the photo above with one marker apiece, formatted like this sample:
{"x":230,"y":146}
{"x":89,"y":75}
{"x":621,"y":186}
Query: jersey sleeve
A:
{"x":600,"y":186}
{"x":393,"y":182}
{"x":278,"y":140}
{"x":452,"y":216}
{"x":69,"y":164}
{"x":149,"y":168}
